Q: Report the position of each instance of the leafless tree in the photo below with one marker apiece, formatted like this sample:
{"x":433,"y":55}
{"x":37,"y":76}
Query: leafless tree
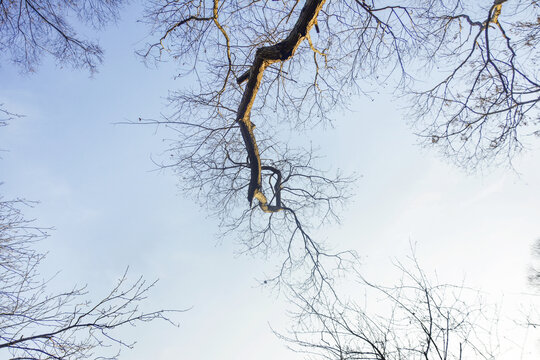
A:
{"x":485,"y":97}
{"x":285,"y":65}
{"x":37,"y":324}
{"x":416,"y":319}
{"x":29,"y":29}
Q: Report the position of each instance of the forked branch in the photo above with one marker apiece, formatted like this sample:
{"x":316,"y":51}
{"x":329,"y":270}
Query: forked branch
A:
{"x":264,"y":57}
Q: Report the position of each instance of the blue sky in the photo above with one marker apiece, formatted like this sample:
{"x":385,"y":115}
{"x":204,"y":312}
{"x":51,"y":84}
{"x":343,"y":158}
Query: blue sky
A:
{"x":111,"y":208}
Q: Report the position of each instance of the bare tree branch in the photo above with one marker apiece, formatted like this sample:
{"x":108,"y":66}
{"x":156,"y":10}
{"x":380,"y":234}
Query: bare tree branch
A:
{"x":30,"y":29}
{"x":35,"y":324}
{"x":258,"y":61}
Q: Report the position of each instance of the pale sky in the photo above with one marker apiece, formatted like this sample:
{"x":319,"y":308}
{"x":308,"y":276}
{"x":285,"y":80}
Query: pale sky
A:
{"x":111,"y":209}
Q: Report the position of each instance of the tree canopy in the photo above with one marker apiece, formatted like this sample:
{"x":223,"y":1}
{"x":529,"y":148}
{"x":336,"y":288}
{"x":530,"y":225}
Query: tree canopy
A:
{"x":31,"y":29}
{"x":37,"y":323}
{"x":466,"y":69}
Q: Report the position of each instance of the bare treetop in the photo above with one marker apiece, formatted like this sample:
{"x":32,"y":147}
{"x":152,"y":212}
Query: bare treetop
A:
{"x":415,"y":319}
{"x":38,"y":324}
{"x":287,"y":64}
{"x":30,"y":29}
{"x":486,"y":87}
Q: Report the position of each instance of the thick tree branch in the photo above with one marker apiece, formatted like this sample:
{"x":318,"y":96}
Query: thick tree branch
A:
{"x":264,"y":57}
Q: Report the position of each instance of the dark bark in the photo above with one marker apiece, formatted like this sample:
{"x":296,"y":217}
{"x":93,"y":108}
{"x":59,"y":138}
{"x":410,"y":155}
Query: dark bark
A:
{"x":264,"y":57}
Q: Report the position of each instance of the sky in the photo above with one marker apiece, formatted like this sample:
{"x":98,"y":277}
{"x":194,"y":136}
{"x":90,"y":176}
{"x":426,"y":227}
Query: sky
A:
{"x":112,"y":208}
